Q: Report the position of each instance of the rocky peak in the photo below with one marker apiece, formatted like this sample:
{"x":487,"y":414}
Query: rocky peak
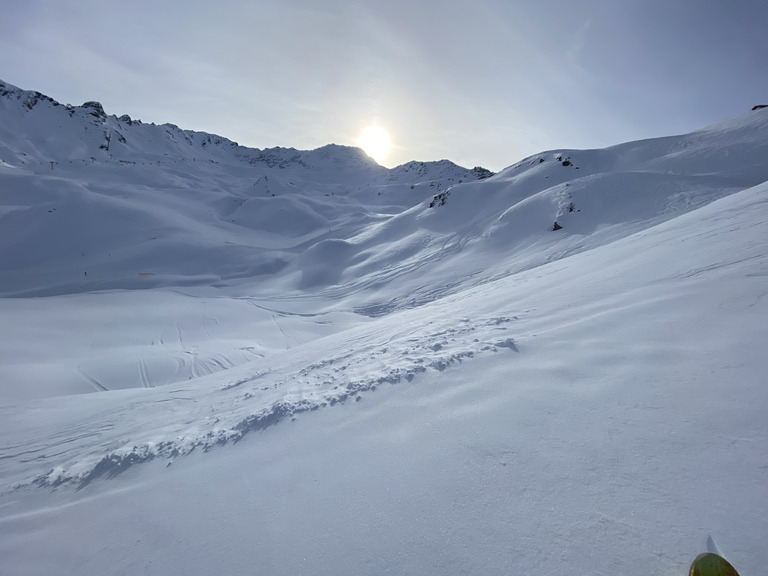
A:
{"x":95,"y":109}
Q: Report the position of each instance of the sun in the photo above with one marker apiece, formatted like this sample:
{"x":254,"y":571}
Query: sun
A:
{"x":375,"y":142}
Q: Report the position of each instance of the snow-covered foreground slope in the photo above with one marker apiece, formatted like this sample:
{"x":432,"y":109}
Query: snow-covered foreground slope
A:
{"x":610,"y":418}
{"x":357,"y":376}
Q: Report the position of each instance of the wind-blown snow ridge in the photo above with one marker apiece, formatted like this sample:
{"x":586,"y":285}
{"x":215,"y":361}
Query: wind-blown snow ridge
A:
{"x":254,"y":402}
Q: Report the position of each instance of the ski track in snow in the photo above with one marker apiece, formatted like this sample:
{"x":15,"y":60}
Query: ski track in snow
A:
{"x":96,"y":384}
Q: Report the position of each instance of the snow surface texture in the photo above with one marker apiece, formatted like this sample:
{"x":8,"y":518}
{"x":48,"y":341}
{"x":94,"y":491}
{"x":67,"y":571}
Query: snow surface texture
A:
{"x":216,"y":359}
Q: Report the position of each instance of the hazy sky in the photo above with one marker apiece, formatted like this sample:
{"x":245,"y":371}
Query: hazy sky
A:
{"x":480,"y":82}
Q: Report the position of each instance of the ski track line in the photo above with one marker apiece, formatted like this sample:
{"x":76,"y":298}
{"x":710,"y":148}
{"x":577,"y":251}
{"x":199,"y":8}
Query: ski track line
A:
{"x":95,"y":383}
{"x":144,"y":375}
{"x":202,"y":319}
{"x":180,"y":336}
{"x":280,"y":328}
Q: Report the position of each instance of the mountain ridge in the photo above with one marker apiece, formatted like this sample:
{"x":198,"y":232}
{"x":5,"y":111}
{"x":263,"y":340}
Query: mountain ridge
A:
{"x":116,"y":130}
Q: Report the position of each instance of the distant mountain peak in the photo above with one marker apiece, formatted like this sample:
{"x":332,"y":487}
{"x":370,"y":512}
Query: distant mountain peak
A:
{"x":95,"y":109}
{"x":28,"y":98}
{"x":66,"y":132}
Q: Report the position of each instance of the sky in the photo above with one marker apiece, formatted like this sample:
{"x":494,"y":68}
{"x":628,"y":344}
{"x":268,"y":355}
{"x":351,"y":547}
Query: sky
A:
{"x":478,"y":82}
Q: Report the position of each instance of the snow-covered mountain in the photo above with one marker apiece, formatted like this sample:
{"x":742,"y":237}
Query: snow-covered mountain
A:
{"x":420,"y":370}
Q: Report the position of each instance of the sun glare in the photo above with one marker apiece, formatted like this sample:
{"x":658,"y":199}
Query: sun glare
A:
{"x":375,"y":142}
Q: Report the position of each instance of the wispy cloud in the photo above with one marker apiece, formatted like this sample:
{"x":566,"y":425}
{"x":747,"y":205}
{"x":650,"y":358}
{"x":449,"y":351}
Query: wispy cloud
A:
{"x":578,"y":43}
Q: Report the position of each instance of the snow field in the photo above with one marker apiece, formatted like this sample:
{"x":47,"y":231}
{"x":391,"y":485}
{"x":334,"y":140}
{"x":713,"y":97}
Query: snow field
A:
{"x":343,"y":379}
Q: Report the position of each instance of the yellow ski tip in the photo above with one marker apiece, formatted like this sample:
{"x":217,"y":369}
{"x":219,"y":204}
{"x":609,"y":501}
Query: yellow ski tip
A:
{"x":712,"y":565}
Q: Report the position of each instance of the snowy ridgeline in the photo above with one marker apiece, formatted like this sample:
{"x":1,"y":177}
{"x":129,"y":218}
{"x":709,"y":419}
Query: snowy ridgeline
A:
{"x":577,"y":338}
{"x":39,"y":130}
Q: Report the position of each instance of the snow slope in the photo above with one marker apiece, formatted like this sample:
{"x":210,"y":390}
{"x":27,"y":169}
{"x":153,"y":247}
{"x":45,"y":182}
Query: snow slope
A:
{"x":222,"y":359}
